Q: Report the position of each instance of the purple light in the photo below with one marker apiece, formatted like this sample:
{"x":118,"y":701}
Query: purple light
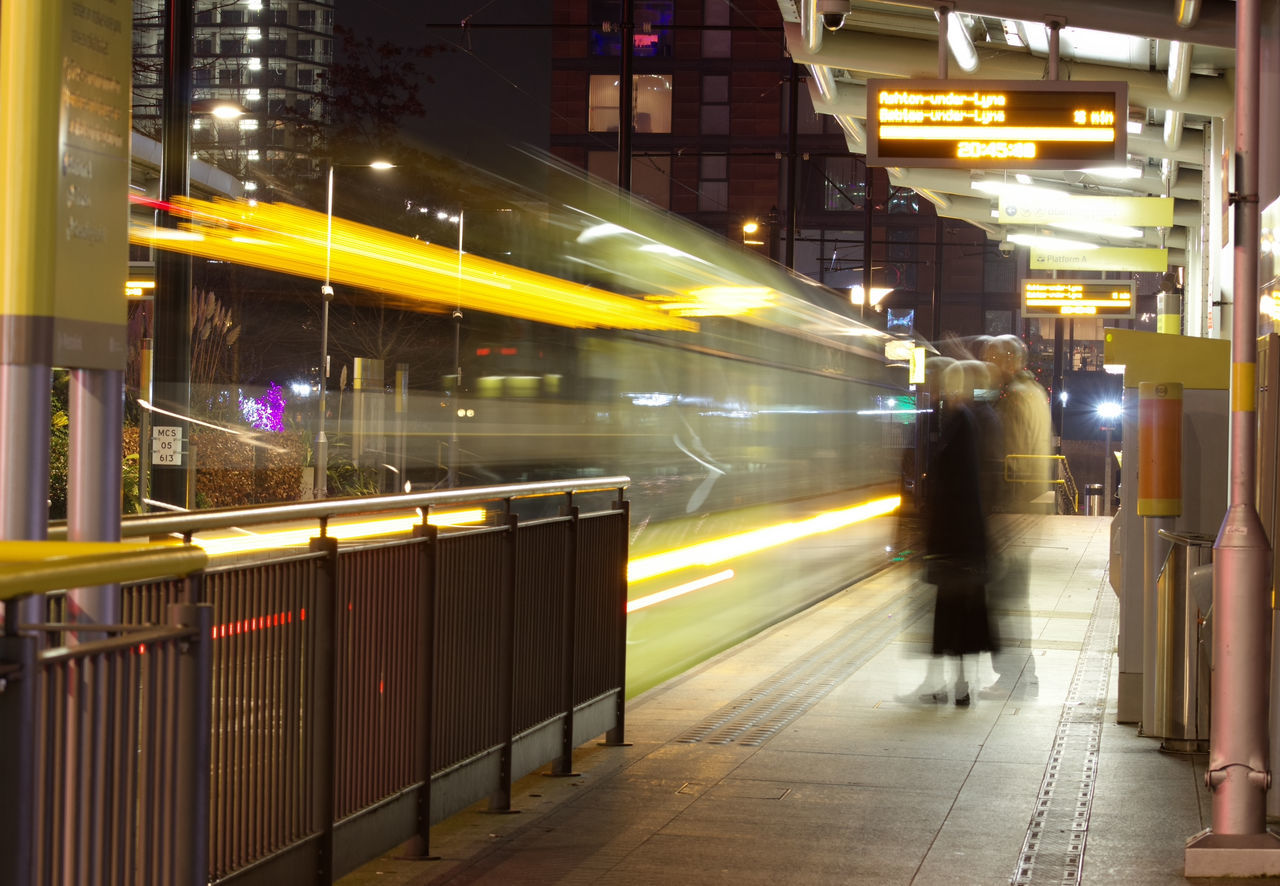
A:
{"x":267,"y":412}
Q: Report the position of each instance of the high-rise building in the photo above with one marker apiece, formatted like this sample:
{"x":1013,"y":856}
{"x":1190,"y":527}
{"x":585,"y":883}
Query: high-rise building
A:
{"x":725,"y":133}
{"x":269,"y":56}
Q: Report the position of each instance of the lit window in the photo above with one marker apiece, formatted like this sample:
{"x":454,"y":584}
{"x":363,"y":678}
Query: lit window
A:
{"x":248,"y":123}
{"x":255,"y":64}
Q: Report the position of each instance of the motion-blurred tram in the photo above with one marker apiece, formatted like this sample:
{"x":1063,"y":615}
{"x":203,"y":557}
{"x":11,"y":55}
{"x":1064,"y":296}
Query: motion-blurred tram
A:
{"x":769,"y":434}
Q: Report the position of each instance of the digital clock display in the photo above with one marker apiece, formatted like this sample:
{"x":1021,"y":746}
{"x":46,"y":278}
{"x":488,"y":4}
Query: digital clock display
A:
{"x":1077,"y":298}
{"x":977,"y":124}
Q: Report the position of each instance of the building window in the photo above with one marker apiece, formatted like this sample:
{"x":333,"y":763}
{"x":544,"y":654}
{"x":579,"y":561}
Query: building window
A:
{"x":843,"y":185}
{"x":713,"y":183}
{"x":715,"y":105}
{"x":652,"y":103}
{"x":651,"y":36}
{"x":716,"y":43}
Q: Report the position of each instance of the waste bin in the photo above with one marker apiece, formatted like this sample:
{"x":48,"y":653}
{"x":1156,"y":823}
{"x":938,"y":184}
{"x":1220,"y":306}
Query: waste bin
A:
{"x":1184,"y":597}
{"x":1093,"y":499}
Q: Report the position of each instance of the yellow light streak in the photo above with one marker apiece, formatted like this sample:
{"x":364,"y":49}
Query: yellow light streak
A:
{"x":419,"y":275}
{"x":720,"y":550}
{"x":345,"y":531}
{"x":715,"y":301}
{"x":1000,"y":133}
{"x":679,"y":590}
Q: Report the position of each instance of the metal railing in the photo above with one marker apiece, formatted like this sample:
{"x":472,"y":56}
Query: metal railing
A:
{"x":361,"y":692}
{"x":1045,"y":473}
{"x":103,"y":743}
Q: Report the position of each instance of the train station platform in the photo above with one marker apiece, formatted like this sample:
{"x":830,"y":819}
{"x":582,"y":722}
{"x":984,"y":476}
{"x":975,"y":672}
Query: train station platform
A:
{"x":806,"y":756}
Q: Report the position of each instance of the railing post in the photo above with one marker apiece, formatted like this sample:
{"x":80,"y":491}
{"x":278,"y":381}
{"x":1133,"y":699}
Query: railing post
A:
{"x":17,"y":749}
{"x":562,"y":766}
{"x":500,"y":799}
{"x":324,"y":703}
{"x":419,"y":845}
{"x":195,"y":691}
{"x":617,"y":735}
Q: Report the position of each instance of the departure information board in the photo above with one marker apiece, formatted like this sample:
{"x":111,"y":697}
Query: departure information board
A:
{"x":997,"y":124}
{"x":1077,"y":298}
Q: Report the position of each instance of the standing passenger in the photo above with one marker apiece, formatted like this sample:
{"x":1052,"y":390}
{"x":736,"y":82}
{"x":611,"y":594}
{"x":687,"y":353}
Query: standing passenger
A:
{"x":956,"y":538}
{"x":1023,"y":407}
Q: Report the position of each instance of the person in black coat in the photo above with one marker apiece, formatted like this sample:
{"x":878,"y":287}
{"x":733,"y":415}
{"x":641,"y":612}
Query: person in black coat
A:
{"x":956,"y":542}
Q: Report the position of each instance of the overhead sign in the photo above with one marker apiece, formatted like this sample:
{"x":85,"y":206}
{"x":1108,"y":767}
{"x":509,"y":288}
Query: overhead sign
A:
{"x":1104,"y":258}
{"x":1047,"y":208}
{"x":996,"y":124}
{"x":1077,"y":298}
{"x":64,"y":162}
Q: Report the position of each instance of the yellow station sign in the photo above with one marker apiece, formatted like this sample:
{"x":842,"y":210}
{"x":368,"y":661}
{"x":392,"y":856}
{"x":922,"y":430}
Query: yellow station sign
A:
{"x":1104,"y":258}
{"x":1051,"y":208}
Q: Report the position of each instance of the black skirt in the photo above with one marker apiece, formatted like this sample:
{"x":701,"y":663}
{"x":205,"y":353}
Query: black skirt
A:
{"x":961,"y":623}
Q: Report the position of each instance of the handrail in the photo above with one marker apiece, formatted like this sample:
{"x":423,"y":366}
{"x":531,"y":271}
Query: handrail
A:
{"x":33,"y":567}
{"x":189,"y":522}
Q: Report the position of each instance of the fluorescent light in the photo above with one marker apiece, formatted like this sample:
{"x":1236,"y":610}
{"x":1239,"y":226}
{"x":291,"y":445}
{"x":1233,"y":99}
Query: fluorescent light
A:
{"x":1101,"y":229}
{"x":1044,"y":242}
{"x":1004,"y":188}
{"x":1135,"y":127}
{"x":1116,"y":172}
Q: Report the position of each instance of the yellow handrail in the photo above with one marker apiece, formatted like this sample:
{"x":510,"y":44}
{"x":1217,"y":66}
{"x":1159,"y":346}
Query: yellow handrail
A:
{"x":32,"y":567}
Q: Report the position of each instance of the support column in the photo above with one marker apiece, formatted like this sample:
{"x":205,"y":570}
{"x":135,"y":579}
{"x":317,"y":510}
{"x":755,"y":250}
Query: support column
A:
{"x":1238,"y":843}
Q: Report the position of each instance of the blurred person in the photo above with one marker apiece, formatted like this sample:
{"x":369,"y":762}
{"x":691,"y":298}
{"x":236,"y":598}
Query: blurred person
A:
{"x":1023,"y":406}
{"x":956,"y":559}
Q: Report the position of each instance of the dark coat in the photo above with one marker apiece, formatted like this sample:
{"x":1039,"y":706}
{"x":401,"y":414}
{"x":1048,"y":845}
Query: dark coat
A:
{"x":956,"y":541}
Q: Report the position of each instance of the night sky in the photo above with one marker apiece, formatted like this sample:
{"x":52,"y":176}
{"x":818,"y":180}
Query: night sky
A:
{"x":492,"y":87}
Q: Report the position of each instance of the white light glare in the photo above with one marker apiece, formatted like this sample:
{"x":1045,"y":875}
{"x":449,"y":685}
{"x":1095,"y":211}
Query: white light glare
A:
{"x":1063,"y":397}
{"x":1041,"y":242}
{"x":1099,"y":228}
{"x":1109,"y":410}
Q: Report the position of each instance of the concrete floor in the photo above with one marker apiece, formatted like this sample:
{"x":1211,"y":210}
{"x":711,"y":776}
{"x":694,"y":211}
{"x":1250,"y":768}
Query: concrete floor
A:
{"x":804,"y":756}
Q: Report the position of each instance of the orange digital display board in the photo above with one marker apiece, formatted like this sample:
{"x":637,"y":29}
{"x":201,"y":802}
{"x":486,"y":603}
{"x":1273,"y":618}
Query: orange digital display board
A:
{"x":1077,"y":298}
{"x":996,"y":124}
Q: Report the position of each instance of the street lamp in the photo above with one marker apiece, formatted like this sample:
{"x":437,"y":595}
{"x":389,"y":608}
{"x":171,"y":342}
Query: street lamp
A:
{"x":321,"y":483}
{"x":1108,"y":412}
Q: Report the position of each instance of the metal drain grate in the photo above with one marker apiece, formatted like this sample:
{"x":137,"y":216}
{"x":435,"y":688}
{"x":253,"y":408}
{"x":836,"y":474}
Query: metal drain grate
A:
{"x":1053,"y":851}
{"x":760,"y":713}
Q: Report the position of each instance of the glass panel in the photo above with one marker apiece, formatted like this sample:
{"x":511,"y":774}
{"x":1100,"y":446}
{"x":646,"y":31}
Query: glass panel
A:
{"x":602,"y":103}
{"x":653,"y":102}
{"x":715,"y":119}
{"x":713,"y":196}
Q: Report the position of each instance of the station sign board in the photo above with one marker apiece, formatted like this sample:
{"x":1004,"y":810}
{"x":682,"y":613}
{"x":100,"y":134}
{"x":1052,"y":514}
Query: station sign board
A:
{"x":1077,"y":298}
{"x":1104,"y":258}
{"x":1030,"y":208}
{"x":997,"y":124}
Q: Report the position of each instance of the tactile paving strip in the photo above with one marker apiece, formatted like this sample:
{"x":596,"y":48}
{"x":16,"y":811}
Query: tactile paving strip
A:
{"x":758,"y":714}
{"x":1053,"y":851}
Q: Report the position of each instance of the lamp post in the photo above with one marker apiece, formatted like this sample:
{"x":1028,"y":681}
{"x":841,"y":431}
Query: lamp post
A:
{"x":321,"y":482}
{"x":1108,"y":412}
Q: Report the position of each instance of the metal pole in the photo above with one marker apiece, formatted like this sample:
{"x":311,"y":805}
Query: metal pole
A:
{"x":452,"y":481}
{"x":1238,"y":842}
{"x":1106,"y":453}
{"x":944,"y":21}
{"x":626,"y":95}
{"x":93,"y":493}
{"x":1055,"y":28}
{"x":793,"y":166}
{"x":321,"y":482}
{"x":24,"y":464}
{"x":172,"y":338}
